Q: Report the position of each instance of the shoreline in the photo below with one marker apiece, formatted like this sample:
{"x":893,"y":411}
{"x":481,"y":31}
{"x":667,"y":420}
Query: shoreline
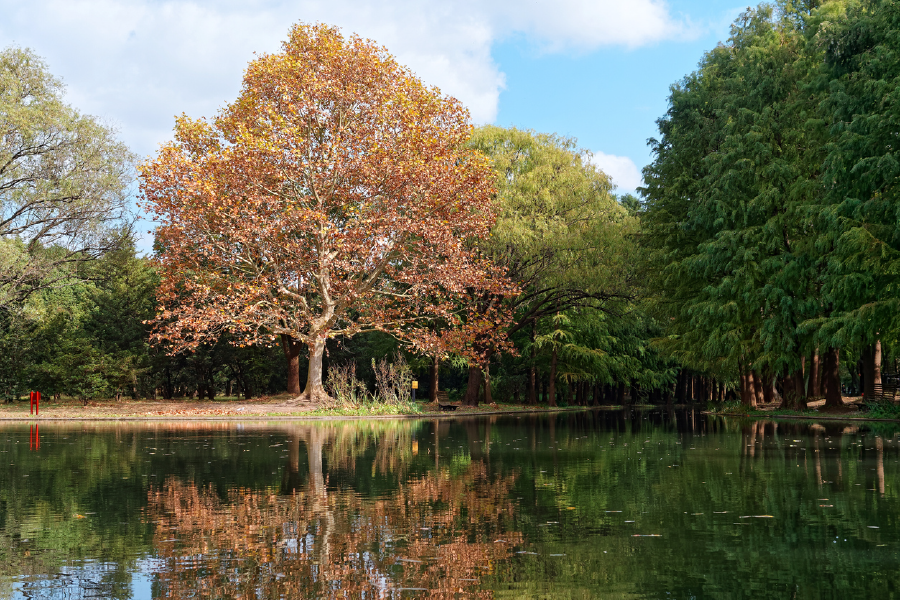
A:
{"x":175,"y":418}
{"x":825,"y":417}
{"x":850,"y":416}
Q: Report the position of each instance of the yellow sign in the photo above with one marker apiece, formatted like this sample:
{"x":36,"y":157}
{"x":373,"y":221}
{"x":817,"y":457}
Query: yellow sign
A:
{"x":415,"y":385}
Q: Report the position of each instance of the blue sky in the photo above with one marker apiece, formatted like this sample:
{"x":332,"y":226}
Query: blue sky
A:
{"x":598,"y":70}
{"x":610,"y":98}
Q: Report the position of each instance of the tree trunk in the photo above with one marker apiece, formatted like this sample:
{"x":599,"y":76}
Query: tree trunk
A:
{"x":532,"y":369}
{"x":871,"y":360}
{"x":432,"y":393}
{"x":831,"y":378}
{"x":867,"y":356}
{"x":857,"y":378}
{"x":876,"y":366}
{"x":532,"y":385}
{"x":758,"y":388}
{"x":793,"y":397}
{"x":748,"y":398}
{"x":551,"y":387}
{"x":768,"y":389}
{"x":620,"y":394}
{"x":314,"y":391}
{"x":800,"y":390}
{"x":813,"y":387}
{"x":471,"y":397}
{"x":487,"y":386}
{"x":291,"y":348}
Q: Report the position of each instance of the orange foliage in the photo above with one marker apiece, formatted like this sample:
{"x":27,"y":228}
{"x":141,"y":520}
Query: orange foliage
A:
{"x":335,"y":195}
{"x":438,"y":533}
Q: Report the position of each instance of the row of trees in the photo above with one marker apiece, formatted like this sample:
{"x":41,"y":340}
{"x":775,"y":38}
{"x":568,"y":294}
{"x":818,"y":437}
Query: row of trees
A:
{"x":338,"y":196}
{"x":89,"y":340}
{"x":342,"y":207}
{"x":523,"y":267}
{"x":770,"y":206}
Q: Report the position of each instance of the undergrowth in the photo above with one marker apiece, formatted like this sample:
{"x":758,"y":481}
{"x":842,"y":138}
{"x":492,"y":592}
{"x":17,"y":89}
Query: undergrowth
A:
{"x":367,"y":410}
{"x":883,"y":410}
{"x":730,"y":408}
{"x":351,"y":397}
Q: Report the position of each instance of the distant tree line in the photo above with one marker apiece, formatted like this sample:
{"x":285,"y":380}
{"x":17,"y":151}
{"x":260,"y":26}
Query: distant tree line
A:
{"x":758,"y":262}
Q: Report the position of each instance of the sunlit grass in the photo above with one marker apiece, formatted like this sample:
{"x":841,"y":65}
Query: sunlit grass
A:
{"x":368,"y":410}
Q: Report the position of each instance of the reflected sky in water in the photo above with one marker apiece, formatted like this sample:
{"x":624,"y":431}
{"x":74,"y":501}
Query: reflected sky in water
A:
{"x":616,"y":504}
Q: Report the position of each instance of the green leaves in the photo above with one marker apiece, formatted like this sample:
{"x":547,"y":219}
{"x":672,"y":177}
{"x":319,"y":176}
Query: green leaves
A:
{"x":859,"y":221}
{"x":722,"y":221}
{"x":64,"y":181}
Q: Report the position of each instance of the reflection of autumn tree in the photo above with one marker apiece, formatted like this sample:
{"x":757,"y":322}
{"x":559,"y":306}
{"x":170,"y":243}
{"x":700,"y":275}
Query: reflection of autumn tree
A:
{"x":343,"y":445}
{"x":436,"y":532}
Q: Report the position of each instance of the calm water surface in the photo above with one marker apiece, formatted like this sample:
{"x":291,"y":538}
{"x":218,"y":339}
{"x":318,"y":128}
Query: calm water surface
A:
{"x":625,"y":504}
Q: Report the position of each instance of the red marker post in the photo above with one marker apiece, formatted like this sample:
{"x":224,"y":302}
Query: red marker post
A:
{"x":35,"y":399}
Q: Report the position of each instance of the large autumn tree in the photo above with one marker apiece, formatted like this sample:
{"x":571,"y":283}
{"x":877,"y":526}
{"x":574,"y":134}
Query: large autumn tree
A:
{"x":335,"y":195}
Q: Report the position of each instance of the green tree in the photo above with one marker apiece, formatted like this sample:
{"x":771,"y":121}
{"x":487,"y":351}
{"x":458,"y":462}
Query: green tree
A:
{"x":727,"y":222}
{"x":560,"y":235}
{"x":858,"y":218}
{"x":64,"y":182}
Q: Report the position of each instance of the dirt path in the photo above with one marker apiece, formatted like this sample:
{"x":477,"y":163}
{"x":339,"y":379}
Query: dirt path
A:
{"x":265,"y":408}
{"x":278,"y":406}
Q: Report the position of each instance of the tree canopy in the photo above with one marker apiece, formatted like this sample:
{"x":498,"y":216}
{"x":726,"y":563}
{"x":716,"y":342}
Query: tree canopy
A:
{"x":64,"y":182}
{"x":335,"y":195}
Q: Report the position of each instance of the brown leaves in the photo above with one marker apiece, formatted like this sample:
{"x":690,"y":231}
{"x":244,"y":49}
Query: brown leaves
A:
{"x":335,"y":194}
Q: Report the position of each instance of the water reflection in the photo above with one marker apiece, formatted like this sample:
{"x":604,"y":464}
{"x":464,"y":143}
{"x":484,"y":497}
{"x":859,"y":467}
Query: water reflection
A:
{"x":595,"y":504}
{"x":435,"y":532}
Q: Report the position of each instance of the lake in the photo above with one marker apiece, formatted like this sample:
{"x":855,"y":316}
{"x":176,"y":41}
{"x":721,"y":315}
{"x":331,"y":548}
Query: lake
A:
{"x":597,"y":504}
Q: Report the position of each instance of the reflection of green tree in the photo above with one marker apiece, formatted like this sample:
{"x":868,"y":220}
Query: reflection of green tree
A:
{"x":751,"y":471}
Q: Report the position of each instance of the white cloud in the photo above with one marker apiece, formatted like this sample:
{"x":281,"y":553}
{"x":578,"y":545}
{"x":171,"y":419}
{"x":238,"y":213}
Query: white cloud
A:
{"x":141,"y":62}
{"x":620,"y":169}
{"x":588,"y":24}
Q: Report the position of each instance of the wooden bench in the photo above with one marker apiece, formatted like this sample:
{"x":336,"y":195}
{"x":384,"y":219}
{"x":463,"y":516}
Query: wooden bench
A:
{"x":443,"y":401}
{"x":887,"y":390}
